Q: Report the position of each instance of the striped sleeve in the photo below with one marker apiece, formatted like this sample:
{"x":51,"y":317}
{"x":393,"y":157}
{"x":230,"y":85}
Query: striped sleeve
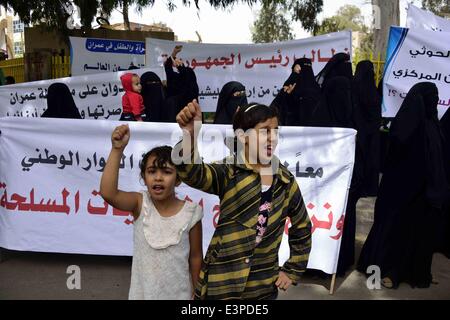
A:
{"x":299,"y":236}
{"x":195,"y":173}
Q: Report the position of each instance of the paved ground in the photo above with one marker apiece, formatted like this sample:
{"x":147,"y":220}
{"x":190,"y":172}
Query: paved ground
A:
{"x":27,"y":275}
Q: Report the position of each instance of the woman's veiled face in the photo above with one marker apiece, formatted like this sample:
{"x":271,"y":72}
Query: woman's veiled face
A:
{"x":151,"y":83}
{"x":237,"y":94}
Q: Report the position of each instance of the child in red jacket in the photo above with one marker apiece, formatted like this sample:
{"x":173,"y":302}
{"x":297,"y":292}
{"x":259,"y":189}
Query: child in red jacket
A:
{"x":132,"y":101}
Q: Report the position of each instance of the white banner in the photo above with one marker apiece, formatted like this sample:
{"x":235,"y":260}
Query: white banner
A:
{"x":261,"y":68}
{"x":91,"y":55}
{"x":97,"y":96}
{"x":415,"y":56}
{"x":421,"y":19}
{"x":50,"y":172}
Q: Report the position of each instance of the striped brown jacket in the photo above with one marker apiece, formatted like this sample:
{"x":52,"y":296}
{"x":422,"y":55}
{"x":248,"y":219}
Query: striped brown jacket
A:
{"x":234,"y":267}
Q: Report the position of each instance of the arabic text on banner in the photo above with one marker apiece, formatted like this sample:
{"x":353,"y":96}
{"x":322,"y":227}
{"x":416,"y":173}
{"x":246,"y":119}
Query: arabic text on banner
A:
{"x":92,"y":55}
{"x":50,"y":172}
{"x":97,"y":96}
{"x":415,"y":56}
{"x":261,"y":68}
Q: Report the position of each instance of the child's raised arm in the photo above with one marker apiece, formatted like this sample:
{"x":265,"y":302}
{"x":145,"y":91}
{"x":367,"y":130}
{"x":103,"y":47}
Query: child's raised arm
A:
{"x":126,"y":201}
{"x":193,"y":171}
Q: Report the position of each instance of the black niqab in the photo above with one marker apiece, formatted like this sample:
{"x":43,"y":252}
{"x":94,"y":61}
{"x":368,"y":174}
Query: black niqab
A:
{"x":153,"y":94}
{"x":228,"y":103}
{"x":338,"y":66}
{"x":60,"y":103}
{"x":296,"y":109}
{"x":182,"y":88}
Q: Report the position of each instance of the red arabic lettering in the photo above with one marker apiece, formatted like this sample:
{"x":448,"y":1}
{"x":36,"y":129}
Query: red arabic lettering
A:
{"x":97,"y":210}
{"x":18,"y":202}
{"x":339,"y":227}
{"x":286,"y":225}
{"x":216,"y":209}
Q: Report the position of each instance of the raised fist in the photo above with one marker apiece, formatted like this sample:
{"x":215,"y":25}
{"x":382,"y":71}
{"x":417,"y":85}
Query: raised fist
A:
{"x":120,"y":136}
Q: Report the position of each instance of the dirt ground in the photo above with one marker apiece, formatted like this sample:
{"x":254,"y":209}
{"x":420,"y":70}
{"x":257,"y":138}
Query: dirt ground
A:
{"x":32,"y":275}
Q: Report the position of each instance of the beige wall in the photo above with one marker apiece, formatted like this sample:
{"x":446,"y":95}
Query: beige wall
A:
{"x":37,"y":39}
{"x":41,"y":45}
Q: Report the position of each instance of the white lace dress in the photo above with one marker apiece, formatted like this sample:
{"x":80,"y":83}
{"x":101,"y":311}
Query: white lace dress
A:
{"x":160,"y":269}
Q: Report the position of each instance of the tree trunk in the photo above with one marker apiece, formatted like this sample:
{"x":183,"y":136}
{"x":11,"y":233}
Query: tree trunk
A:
{"x":126,"y":20}
{"x":386,"y":14}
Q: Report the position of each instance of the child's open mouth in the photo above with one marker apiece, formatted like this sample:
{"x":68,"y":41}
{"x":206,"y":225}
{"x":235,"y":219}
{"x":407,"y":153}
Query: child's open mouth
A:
{"x":157,"y":188}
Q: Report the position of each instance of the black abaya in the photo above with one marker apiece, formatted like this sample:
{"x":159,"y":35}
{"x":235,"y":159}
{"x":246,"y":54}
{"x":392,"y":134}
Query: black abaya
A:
{"x":153,"y":94}
{"x":296,"y":108}
{"x":182,"y":88}
{"x":60,"y":103}
{"x":412,"y":193}
{"x":306,"y":94}
{"x":368,"y":102}
{"x":444,"y":245}
{"x":336,"y":109}
{"x":339,"y":66}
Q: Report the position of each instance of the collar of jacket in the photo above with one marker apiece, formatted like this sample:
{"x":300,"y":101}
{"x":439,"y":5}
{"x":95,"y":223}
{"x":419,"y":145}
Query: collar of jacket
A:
{"x":282,"y":173}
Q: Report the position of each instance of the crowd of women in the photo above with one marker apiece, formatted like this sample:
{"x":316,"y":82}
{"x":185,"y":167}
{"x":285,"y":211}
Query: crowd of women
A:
{"x":412,"y":210}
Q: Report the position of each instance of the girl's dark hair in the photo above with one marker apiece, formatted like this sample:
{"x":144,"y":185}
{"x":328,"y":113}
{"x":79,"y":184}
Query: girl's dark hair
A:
{"x":163,"y":156}
{"x":247,"y":117}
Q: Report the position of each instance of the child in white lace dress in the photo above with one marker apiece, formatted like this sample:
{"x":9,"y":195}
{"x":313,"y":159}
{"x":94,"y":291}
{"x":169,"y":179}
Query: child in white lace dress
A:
{"x":167,"y":254}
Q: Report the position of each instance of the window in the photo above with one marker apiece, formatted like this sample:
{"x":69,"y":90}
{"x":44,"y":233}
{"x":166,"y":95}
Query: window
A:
{"x":18,"y":48}
{"x":17,"y":26}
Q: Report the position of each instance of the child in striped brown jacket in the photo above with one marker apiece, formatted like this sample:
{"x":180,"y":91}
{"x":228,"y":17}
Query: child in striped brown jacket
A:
{"x":257,"y":196}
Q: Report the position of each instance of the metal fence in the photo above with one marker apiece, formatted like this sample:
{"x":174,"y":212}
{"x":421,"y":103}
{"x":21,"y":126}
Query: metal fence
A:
{"x":60,"y":67}
{"x":15,"y":68}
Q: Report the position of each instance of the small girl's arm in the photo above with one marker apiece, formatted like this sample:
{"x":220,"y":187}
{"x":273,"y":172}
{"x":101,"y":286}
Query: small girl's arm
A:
{"x":196,"y":253}
{"x":126,"y":201}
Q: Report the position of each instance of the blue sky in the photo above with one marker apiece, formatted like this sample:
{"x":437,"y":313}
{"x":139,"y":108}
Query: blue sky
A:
{"x":230,"y":25}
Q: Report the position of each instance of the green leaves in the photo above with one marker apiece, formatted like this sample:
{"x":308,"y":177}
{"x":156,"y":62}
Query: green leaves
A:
{"x":438,"y":7}
{"x":275,"y":19}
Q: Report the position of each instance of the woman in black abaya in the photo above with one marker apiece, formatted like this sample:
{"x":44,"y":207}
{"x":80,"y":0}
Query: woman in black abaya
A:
{"x":182,"y":87}
{"x":444,"y":246}
{"x":154,"y":97}
{"x":338,"y":66}
{"x":335,"y":109}
{"x":368,"y":101}
{"x":411,"y":196}
{"x":60,"y":103}
{"x":284,"y":99}
{"x":299,"y":96}
{"x":324,"y":115}
{"x":231,"y":97}
{"x":306,"y":94}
